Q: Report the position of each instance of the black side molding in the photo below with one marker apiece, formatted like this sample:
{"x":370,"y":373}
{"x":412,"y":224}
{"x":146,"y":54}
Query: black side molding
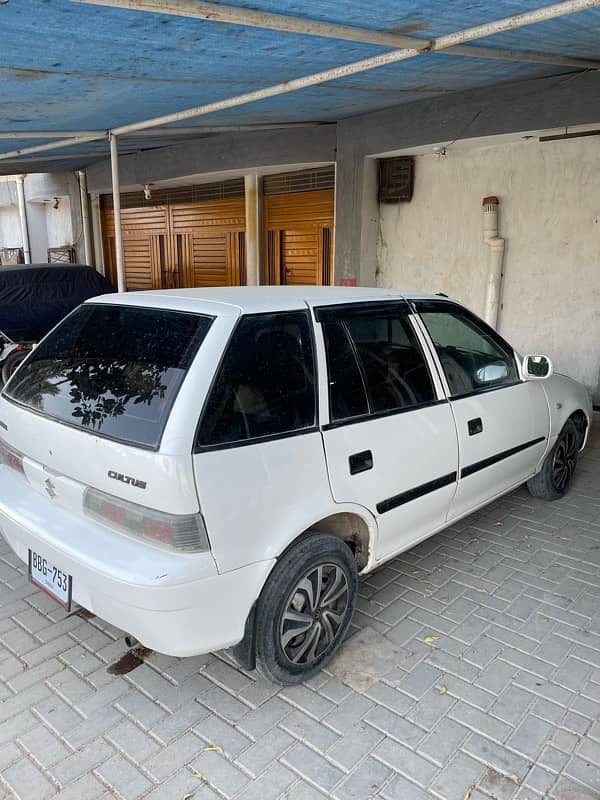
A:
{"x":417,"y":491}
{"x":487,"y":462}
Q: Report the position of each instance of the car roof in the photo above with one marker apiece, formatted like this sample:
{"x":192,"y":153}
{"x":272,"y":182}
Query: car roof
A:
{"x":233,"y":300}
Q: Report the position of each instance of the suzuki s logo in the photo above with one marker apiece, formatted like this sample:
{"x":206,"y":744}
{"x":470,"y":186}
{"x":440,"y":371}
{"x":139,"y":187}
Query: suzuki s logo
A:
{"x":118,"y":476}
{"x":50,"y":488}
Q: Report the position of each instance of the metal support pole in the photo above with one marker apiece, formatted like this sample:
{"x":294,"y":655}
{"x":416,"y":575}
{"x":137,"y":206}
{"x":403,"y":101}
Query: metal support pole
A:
{"x":96,"y":220}
{"x":116,"y":187}
{"x":23,"y":218}
{"x":253,"y":198}
{"x":85,"y":218}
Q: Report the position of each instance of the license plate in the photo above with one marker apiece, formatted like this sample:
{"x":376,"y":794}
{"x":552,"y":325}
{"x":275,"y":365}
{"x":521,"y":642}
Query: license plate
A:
{"x":50,"y":579}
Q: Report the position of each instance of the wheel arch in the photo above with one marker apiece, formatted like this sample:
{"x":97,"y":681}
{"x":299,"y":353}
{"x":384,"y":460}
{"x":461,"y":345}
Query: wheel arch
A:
{"x":353,"y":525}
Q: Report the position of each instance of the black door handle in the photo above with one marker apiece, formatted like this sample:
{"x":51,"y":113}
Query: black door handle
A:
{"x":475,"y":426}
{"x":360,"y":462}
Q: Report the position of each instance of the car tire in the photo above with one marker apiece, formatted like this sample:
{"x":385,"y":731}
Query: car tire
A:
{"x":554,"y":478}
{"x":11,"y":364}
{"x":305,"y":608}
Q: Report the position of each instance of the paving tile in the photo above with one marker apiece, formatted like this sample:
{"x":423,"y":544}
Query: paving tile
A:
{"x":500,"y":758}
{"x":269,"y":748}
{"x":405,"y":761}
{"x":363,"y":782}
{"x":312,"y":766}
{"x":400,"y":788}
{"x":395,"y":726}
{"x":455,"y":780}
{"x":220,"y":773}
{"x":270,"y":785}
{"x":498,"y":786}
{"x":27,"y":781}
{"x":443,"y":741}
{"x":309,"y":731}
{"x":478,"y":721}
{"x":179,"y":753}
{"x":117,"y":773}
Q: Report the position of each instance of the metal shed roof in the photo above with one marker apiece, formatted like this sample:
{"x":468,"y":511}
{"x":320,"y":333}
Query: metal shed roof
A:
{"x":77,"y":67}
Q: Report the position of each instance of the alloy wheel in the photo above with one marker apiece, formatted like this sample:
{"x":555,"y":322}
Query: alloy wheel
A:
{"x":564,"y":460}
{"x":313,"y":614}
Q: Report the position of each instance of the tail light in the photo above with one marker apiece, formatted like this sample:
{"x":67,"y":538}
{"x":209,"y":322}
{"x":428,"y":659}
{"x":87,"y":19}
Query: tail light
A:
{"x":11,"y":458}
{"x":185,"y":532}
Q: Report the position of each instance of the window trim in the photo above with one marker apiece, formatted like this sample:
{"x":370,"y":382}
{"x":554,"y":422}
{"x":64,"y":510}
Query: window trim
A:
{"x":436,"y":306}
{"x":382,"y":414}
{"x":340,"y":313}
{"x":153,"y":448}
{"x":208,"y":448}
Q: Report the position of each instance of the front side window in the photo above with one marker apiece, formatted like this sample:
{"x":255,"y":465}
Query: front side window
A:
{"x":113,"y":370}
{"x":374,"y":361}
{"x":265,"y":385}
{"x":473,"y":356}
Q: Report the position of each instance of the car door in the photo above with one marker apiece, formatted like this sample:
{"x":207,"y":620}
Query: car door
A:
{"x":502,"y":421}
{"x":390,"y":441}
{"x":259,"y":460}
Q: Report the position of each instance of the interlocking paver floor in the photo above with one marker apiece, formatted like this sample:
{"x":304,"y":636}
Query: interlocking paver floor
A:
{"x":492,"y":690}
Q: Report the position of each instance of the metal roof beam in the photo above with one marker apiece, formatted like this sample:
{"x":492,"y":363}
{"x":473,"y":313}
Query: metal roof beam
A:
{"x":442,"y":43}
{"x":234,"y":15}
{"x":181,"y":131}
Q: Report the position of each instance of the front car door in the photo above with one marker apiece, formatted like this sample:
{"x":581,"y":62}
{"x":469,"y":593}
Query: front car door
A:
{"x":390,"y":441}
{"x":502,"y":421}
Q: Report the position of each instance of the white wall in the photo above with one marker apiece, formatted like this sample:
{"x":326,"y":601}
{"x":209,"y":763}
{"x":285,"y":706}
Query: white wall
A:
{"x":550,"y":216}
{"x":58,"y":223}
{"x":10,"y":227}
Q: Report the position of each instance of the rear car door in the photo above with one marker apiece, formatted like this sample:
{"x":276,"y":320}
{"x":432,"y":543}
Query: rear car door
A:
{"x":259,"y":460}
{"x":502,"y":421}
{"x":390,"y":441}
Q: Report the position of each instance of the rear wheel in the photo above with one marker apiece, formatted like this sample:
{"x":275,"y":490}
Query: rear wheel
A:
{"x":554,"y":478}
{"x":305,"y":609}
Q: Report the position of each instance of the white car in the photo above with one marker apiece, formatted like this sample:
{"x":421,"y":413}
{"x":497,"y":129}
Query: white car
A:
{"x":211,"y":469}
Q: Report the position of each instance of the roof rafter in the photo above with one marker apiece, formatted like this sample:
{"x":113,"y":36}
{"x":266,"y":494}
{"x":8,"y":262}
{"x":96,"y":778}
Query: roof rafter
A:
{"x":234,"y":15}
{"x":442,"y":43}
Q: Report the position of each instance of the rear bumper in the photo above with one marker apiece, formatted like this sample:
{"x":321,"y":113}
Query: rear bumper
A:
{"x":173,"y":603}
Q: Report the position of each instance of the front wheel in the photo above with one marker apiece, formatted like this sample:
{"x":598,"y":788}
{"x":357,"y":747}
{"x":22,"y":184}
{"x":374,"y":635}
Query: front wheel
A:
{"x":305,"y":608}
{"x":554,"y":478}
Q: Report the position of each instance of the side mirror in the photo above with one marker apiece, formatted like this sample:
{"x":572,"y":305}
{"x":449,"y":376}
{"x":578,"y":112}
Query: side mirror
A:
{"x":537,"y":367}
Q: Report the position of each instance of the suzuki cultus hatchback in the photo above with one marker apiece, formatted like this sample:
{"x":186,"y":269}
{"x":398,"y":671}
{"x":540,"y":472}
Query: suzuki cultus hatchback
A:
{"x":211,"y":469}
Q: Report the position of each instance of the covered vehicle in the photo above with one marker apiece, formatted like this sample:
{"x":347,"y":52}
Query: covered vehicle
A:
{"x":35,"y":297}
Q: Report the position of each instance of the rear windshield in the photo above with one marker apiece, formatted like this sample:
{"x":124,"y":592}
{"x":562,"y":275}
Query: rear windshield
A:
{"x":112,"y":370}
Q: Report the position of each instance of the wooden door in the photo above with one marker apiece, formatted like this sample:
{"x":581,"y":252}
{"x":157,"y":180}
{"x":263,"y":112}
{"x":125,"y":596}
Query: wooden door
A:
{"x":299,"y":237}
{"x":209,"y":242}
{"x":179,"y":245}
{"x":145,"y":243}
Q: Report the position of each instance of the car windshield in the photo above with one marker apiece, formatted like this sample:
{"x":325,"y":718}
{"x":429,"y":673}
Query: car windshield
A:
{"x":113,"y":370}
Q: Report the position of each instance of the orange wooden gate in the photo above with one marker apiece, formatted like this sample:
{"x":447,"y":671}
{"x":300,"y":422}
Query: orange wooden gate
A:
{"x":299,"y":237}
{"x":199,"y":243}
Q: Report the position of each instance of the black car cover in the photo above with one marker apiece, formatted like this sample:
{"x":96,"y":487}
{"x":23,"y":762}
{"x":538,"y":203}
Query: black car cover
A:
{"x":35,"y":297}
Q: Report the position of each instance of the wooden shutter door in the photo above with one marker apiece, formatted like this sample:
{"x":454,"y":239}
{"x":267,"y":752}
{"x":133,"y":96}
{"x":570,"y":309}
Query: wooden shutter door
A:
{"x":209,"y":241}
{"x":298,"y":228}
{"x":145,"y":246}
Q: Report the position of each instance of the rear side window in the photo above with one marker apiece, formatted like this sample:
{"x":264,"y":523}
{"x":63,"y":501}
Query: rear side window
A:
{"x":266,"y":383}
{"x":347,"y":393}
{"x":112,"y":370}
{"x":374,"y":361}
{"x":395,"y":370}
